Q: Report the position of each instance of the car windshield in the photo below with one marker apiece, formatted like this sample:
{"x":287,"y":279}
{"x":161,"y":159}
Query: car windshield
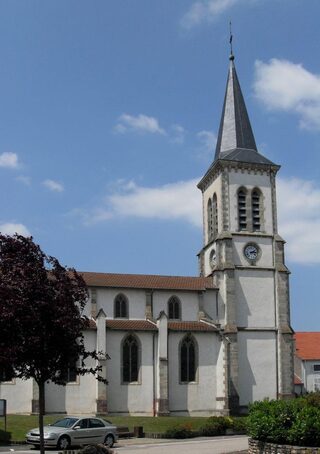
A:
{"x":65,"y":422}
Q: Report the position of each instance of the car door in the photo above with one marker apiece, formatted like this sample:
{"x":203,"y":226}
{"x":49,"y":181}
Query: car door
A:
{"x":81,"y":435}
{"x":97,"y":429}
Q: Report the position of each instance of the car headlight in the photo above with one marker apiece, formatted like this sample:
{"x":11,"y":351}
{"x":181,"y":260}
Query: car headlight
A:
{"x":48,"y":435}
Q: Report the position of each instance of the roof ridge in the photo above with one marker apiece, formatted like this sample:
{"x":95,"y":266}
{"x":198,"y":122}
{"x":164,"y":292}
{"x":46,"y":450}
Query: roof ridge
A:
{"x":142,"y":274}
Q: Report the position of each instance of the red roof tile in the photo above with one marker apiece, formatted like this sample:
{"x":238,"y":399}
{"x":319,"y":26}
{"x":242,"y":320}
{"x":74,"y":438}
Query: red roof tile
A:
{"x":308,"y":345}
{"x":147,"y":281}
{"x":134,"y":325}
{"x":190,"y":326}
{"x":92,"y":324}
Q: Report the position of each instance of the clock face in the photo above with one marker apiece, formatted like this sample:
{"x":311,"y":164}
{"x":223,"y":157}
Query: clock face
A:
{"x":212,"y":258}
{"x":251,"y":251}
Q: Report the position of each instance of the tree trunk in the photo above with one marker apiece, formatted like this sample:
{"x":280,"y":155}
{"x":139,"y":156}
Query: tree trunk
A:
{"x":41,"y":413}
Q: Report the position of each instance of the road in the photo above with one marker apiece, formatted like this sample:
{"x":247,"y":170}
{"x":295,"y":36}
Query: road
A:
{"x":216,"y":445}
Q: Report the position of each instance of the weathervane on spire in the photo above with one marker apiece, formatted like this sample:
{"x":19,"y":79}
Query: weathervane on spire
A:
{"x":230,"y":41}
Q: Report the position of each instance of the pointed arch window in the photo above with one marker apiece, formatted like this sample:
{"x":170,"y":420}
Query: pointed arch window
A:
{"x":130,"y":359}
{"x":242,"y":209}
{"x":121,"y":306}
{"x":256,"y":202}
{"x":209,"y":215}
{"x":174,"y":308}
{"x":188,"y":359}
{"x":214,"y":215}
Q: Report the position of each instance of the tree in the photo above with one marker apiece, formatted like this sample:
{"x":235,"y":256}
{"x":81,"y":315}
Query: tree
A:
{"x":42,"y":322}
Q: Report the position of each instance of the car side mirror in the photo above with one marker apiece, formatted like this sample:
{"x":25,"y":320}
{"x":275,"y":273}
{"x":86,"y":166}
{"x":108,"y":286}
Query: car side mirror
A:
{"x":77,"y":427}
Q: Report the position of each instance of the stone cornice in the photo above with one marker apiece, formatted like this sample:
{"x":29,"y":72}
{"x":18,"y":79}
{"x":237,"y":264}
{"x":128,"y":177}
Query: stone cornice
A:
{"x":218,"y":166}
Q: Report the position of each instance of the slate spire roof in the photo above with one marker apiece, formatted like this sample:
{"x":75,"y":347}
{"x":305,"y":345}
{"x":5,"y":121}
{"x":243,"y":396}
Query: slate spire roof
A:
{"x":235,"y":138}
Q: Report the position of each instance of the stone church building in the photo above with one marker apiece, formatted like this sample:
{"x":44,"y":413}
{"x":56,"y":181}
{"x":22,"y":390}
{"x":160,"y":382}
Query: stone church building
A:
{"x":194,"y":345}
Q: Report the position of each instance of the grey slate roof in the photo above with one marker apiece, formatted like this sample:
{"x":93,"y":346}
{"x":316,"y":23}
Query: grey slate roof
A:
{"x":235,"y":138}
{"x":243,"y":155}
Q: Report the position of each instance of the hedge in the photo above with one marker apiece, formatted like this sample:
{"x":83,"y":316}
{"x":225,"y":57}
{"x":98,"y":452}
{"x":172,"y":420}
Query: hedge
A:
{"x":295,"y":422}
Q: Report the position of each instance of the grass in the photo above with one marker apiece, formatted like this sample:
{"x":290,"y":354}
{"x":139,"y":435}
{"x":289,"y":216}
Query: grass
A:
{"x":18,"y":425}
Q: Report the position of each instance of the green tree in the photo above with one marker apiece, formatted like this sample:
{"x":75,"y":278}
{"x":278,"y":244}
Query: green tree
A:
{"x":42,"y":322}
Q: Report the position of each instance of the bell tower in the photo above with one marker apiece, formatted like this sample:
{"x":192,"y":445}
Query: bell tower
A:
{"x":244,"y":254}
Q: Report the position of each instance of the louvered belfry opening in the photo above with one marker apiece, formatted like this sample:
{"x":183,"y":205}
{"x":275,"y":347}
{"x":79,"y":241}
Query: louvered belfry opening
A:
{"x":242,"y":209}
{"x":256,"y":223}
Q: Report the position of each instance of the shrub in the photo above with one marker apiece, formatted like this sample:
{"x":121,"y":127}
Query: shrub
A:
{"x":216,"y":425}
{"x":239,"y":424}
{"x":313,"y":399}
{"x":180,"y":431}
{"x":285,"y":422}
{"x":4,"y":436}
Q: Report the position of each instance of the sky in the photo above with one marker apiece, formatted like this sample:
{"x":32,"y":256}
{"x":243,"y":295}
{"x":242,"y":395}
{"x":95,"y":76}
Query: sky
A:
{"x":109,"y":113}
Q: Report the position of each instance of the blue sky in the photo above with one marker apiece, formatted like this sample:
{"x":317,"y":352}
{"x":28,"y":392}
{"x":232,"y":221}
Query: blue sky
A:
{"x":108,"y":116}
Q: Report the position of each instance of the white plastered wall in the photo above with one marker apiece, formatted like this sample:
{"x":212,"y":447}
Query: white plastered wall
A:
{"x":189,"y":303}
{"x":134,"y":397}
{"x":310,"y":377}
{"x":211,"y":304}
{"x":255,"y":298}
{"x":18,"y":394}
{"x":198,"y":398}
{"x":257,"y":366}
{"x":78,"y":397}
{"x":136,"y":301}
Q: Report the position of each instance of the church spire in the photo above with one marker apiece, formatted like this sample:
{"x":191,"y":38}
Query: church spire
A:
{"x":235,"y":132}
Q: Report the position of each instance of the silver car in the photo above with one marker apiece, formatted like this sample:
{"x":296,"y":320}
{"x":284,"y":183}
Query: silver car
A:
{"x":73,"y":431}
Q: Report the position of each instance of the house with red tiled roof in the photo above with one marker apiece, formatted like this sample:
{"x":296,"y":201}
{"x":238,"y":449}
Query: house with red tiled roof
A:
{"x":307,"y":362}
{"x":202,"y":345}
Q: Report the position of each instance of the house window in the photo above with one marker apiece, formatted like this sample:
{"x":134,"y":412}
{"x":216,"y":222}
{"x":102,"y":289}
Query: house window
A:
{"x":316,"y":367}
{"x":242,"y":209}
{"x":188,"y":364}
{"x":209,"y":214}
{"x":255,"y":198}
{"x":121,"y":306}
{"x":130,"y":359}
{"x":214,"y":215}
{"x":174,"y":308}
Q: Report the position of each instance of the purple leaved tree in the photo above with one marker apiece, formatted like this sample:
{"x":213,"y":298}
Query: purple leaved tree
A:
{"x":42,"y":322}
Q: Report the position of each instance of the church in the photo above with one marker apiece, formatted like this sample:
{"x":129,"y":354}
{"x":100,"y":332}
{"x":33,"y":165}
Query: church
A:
{"x":199,"y":346}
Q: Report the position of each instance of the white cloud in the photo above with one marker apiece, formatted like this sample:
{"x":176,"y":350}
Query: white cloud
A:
{"x":8,"y":159}
{"x":54,"y":186}
{"x":205,"y":11}
{"x":176,"y":201}
{"x":179,"y":200}
{"x":140,"y":123}
{"x":178,"y":134}
{"x":283,"y":85}
{"x":24,"y":180}
{"x":208,"y":142}
{"x":299,"y":219}
{"x":10,"y":228}
{"x":298,"y":210}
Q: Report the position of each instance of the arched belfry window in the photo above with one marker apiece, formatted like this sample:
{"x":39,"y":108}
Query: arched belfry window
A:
{"x":242,"y":209}
{"x":209,"y":215}
{"x":256,"y":205}
{"x":188,"y":359}
{"x":174,"y":308}
{"x":130,"y":359}
{"x":214,"y":215}
{"x":121,"y":306}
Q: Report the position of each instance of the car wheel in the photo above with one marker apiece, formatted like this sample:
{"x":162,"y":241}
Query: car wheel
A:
{"x":109,"y":440}
{"x":63,"y":443}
